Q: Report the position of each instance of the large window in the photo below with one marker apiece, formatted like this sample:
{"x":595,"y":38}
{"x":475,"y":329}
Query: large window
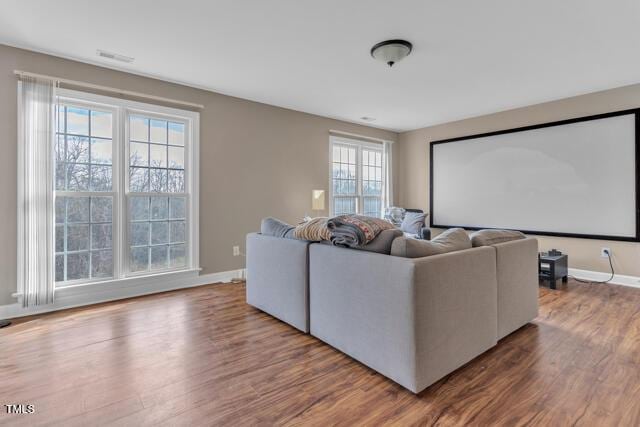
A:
{"x":125,"y":189}
{"x":357,"y":177}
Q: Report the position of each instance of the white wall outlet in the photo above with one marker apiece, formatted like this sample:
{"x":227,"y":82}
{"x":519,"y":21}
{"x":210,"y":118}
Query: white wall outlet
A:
{"x":236,"y":251}
{"x":605,"y":252}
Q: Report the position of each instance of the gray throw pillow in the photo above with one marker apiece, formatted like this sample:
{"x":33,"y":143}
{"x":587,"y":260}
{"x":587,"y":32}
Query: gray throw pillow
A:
{"x":413,"y":222}
{"x":451,"y":240}
{"x":493,"y":237}
{"x":274,"y":227}
{"x":383,"y":241}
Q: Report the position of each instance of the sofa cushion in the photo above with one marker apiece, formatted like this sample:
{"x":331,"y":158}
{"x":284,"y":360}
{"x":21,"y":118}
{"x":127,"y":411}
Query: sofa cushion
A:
{"x":493,"y":237}
{"x":413,"y":222}
{"x":276,"y":228}
{"x":451,"y":240}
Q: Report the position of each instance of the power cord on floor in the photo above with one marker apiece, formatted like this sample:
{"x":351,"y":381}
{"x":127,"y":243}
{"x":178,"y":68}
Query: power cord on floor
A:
{"x":613,"y":273}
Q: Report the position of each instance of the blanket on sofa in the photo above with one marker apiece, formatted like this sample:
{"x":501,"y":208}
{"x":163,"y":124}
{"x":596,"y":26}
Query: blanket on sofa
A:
{"x":313,"y":230}
{"x":354,"y":231}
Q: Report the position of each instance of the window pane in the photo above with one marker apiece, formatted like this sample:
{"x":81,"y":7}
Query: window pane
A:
{"x":159,"y":257}
{"x":59,"y":238}
{"x":159,"y":233}
{"x":77,"y":177}
{"x":61,"y":208}
{"x":78,"y":266}
{"x":177,"y":208}
{"x":138,"y":180}
{"x":158,"y":156}
{"x":159,"y":208}
{"x":159,"y":131}
{"x":75,"y":235}
{"x":138,"y":128}
{"x":139,"y":233}
{"x":61,"y":111}
{"x":101,"y":179}
{"x":60,"y":176}
{"x":101,"y":236}
{"x":138,"y":154}
{"x":176,"y":133}
{"x":77,"y":209}
{"x":78,"y":237}
{"x":157,"y":180}
{"x":77,"y":149}
{"x":139,"y":208}
{"x":178,"y":231}
{"x":77,"y":121}
{"x":59,"y":268}
{"x":139,"y":259}
{"x":101,"y":209}
{"x":176,"y":181}
{"x":176,"y":157}
{"x":102,"y":264}
{"x":177,"y":256}
{"x":101,"y":151}
{"x":101,"y":124}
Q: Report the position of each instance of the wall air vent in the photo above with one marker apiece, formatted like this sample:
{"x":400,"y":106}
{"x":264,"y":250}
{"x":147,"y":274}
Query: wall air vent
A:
{"x":114,"y":56}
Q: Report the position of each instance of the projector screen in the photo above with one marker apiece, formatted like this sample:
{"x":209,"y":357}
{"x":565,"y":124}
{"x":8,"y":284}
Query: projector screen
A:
{"x":573,"y":178}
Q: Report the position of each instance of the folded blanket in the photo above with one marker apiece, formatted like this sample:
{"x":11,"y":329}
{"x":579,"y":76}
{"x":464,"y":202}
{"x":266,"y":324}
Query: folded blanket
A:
{"x":313,"y":230}
{"x":354,"y":231}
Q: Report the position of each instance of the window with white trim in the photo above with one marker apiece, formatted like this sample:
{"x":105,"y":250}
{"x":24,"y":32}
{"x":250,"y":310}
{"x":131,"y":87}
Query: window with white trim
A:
{"x":126,"y":187}
{"x":357,"y":177}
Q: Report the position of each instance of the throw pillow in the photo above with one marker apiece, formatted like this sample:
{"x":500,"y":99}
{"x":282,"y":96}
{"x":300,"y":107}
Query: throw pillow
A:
{"x":382,"y":243}
{"x":493,"y":237}
{"x":451,"y":240}
{"x":276,"y":228}
{"x":413,"y":222}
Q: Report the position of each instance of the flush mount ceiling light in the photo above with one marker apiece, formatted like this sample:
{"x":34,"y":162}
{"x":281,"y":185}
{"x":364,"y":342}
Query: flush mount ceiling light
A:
{"x":391,"y":51}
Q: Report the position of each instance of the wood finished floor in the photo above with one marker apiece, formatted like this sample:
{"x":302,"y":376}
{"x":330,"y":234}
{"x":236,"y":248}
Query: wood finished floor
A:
{"x":203,"y":357}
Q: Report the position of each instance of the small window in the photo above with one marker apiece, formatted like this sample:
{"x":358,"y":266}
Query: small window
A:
{"x":357,"y":177}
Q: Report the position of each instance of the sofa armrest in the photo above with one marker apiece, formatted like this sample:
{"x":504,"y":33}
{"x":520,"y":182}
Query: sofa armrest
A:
{"x":278,"y":278}
{"x":413,"y":320}
{"x":517,"y":268}
{"x":456,"y":310}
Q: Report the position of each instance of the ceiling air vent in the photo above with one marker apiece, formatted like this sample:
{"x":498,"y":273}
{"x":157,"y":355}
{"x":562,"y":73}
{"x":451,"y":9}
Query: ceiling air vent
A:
{"x":114,"y":56}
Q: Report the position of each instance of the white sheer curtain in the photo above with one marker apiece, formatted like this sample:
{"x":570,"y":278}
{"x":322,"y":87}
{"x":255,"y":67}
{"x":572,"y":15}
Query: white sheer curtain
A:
{"x":36,"y":132}
{"x":388,"y":174}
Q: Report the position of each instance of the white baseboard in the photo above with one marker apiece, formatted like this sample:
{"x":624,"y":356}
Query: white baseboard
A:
{"x":597,"y":276}
{"x":86,"y":295}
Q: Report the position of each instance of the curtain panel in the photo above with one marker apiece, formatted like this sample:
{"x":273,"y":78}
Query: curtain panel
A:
{"x":36,"y":232}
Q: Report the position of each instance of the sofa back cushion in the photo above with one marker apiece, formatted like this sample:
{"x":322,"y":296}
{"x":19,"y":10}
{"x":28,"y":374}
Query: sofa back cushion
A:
{"x":494,"y":237}
{"x":454,"y":239}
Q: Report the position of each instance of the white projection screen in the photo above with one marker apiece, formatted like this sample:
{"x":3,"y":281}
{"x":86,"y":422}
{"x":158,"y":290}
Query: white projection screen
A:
{"x":576,"y":178}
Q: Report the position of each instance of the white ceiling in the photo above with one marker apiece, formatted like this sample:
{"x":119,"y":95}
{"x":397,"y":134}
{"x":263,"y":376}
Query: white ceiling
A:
{"x":470,"y":57}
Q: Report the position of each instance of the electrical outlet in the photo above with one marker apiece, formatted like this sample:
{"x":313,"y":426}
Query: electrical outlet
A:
{"x":605,"y":252}
{"x":236,"y":251}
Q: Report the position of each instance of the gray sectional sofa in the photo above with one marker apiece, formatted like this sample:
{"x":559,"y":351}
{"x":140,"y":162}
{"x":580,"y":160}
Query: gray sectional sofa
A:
{"x":414,"y":320}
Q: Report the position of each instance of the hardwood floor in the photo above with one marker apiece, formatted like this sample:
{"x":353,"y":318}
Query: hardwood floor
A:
{"x":203,"y":357}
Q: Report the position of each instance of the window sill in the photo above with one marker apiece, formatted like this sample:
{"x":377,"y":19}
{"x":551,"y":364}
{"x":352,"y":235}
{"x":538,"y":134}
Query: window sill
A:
{"x":127,"y":282}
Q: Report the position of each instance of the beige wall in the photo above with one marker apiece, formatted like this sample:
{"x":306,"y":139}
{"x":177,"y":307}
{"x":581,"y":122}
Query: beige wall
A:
{"x":412,"y":154}
{"x":255,"y":160}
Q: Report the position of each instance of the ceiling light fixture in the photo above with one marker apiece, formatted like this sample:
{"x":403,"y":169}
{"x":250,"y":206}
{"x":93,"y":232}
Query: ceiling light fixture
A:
{"x":114,"y":56}
{"x":391,"y":51}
